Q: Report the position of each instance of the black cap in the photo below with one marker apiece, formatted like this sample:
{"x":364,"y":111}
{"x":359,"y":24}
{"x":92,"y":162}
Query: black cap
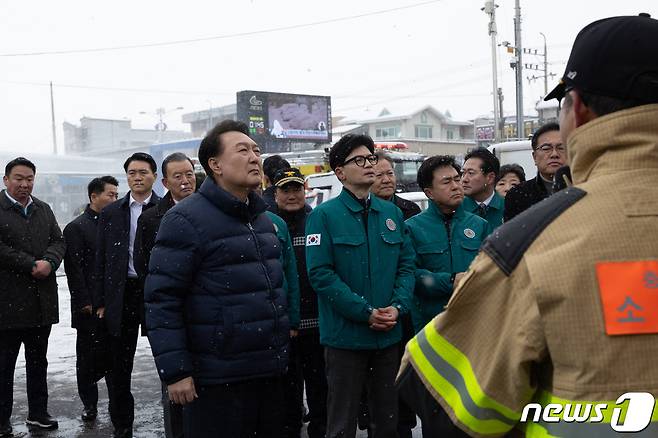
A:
{"x":346,"y":145}
{"x":614,"y":57}
{"x":290,"y":175}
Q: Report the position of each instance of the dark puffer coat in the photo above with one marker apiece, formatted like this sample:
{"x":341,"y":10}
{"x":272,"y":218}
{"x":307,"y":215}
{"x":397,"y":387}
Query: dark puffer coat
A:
{"x":215,"y":307}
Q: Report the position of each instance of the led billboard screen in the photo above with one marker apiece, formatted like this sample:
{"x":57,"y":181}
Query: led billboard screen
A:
{"x":279,"y":118}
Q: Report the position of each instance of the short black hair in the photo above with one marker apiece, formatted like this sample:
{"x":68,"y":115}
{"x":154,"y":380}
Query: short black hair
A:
{"x":511,"y":168}
{"x":176,"y":156}
{"x":272,"y":165}
{"x":141,"y":156}
{"x":426,"y":170}
{"x":20,"y":161}
{"x":552,"y":126}
{"x":346,"y":145}
{"x":211,"y":146}
{"x":490,"y":162}
{"x":97,"y":185}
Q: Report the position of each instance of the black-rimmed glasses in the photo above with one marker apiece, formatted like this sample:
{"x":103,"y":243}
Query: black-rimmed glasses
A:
{"x":360,"y":160}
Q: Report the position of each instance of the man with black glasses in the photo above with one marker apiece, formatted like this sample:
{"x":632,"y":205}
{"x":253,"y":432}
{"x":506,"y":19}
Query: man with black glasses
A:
{"x":549,"y":154}
{"x":360,"y":262}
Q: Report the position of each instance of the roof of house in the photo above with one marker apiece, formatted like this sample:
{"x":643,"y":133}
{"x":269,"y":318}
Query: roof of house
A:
{"x":398,"y":112}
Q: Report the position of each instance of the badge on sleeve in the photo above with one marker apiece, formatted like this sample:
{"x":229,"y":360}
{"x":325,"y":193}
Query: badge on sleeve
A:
{"x":390,"y":224}
{"x":313,"y":239}
{"x":629,"y":295}
{"x":469,"y":233}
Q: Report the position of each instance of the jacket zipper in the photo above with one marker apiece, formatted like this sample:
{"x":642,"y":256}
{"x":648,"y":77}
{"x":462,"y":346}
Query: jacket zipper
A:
{"x":448,"y":225}
{"x":269,"y":281}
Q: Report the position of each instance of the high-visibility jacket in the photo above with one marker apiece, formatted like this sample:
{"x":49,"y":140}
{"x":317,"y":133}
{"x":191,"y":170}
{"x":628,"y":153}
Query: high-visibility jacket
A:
{"x":561,"y":307}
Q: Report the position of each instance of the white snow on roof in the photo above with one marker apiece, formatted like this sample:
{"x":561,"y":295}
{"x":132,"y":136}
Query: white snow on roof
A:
{"x":344,"y":128}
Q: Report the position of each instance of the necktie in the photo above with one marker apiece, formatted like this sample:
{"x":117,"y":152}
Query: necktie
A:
{"x":482,"y":210}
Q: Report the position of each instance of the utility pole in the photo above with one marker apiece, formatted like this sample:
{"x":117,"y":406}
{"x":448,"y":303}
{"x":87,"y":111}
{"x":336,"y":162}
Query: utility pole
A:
{"x":545,"y":65}
{"x":501,"y":122}
{"x":52,"y":116}
{"x":519,"y":71}
{"x":490,"y":9}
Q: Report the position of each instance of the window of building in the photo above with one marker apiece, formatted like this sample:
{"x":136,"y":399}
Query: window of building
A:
{"x":387,"y":132}
{"x":450,"y":134}
{"x":423,"y":117}
{"x":423,"y":131}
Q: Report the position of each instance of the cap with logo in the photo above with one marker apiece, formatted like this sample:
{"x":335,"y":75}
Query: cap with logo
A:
{"x":614,"y":57}
{"x":290,"y":175}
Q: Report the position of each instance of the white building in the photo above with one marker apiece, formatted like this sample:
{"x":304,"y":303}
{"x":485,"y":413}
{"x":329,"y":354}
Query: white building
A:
{"x":425,"y":129}
{"x":113,"y":138}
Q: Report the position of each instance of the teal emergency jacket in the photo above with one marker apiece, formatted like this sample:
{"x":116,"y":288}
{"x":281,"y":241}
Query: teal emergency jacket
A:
{"x":289,"y":263}
{"x":354,"y":270}
{"x":495,"y":210}
{"x":443,"y":248}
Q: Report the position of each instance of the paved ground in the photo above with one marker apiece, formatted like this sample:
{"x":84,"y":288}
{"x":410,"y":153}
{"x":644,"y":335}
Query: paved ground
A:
{"x":64,"y":403}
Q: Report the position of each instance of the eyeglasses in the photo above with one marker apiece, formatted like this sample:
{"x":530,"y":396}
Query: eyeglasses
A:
{"x":360,"y":160}
{"x":547,"y":148}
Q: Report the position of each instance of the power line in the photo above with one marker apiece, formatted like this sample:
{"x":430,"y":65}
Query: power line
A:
{"x":219,"y":37}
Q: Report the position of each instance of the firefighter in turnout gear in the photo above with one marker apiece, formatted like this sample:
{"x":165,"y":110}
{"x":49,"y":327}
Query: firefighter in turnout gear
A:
{"x":560,"y":310}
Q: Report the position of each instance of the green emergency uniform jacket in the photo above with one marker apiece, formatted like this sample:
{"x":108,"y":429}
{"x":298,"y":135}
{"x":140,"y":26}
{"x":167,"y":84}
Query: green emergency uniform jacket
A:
{"x":354,"y":270}
{"x":443,"y":248}
{"x":495,"y":210}
{"x":289,"y":263}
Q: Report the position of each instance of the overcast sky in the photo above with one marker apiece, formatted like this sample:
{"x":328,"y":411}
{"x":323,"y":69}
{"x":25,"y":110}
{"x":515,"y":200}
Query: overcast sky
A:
{"x":419,"y":52}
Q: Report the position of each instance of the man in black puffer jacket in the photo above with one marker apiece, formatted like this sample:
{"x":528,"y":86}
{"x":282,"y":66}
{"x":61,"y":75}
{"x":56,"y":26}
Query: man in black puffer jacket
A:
{"x":216,"y":311}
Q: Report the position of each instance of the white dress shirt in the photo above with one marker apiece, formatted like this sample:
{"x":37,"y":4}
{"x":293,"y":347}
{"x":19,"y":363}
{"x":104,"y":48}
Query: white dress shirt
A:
{"x":135,"y":211}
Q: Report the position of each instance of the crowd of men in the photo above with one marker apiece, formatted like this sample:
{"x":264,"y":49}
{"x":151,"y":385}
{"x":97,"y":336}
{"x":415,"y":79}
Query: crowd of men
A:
{"x":377,"y":311}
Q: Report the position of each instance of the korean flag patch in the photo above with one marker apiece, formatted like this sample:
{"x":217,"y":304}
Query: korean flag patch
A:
{"x":313,"y":239}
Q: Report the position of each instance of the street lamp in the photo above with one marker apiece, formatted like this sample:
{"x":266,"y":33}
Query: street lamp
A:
{"x":161,"y":125}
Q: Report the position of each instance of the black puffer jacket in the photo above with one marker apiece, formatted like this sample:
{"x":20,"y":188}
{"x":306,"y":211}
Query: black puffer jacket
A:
{"x":25,"y":301}
{"x":215,"y":307}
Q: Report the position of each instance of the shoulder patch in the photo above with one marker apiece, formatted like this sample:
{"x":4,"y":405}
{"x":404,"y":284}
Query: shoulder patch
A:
{"x":507,"y":244}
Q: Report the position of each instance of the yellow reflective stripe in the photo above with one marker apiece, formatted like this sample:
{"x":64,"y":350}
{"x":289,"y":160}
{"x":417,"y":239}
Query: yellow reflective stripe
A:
{"x":461,"y":363}
{"x":451,"y":386}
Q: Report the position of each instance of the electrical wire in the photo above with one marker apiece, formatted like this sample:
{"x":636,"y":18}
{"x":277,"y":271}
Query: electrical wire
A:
{"x":218,"y":37}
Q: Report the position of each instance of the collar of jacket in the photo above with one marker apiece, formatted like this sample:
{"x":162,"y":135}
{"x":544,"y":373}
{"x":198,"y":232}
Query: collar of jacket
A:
{"x":91,"y":214}
{"x":497,"y":203}
{"x":165,"y":204}
{"x":231,"y":205}
{"x":125,"y":201}
{"x":623,"y":140}
{"x":350,"y":202}
{"x":7,"y":204}
{"x":433,"y":210}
